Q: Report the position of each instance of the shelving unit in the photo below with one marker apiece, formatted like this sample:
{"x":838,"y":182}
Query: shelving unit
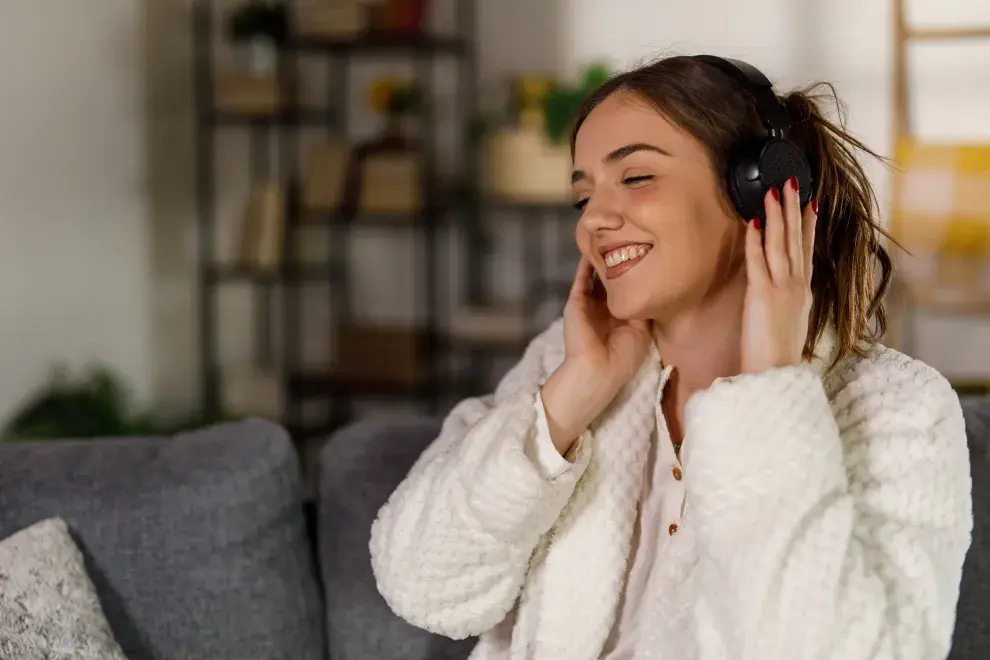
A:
{"x":463,"y":363}
{"x":300,"y":385}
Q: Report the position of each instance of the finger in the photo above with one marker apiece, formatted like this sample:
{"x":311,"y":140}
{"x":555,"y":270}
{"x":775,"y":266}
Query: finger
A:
{"x":756,"y":262}
{"x":793,"y":221}
{"x":582,"y":286}
{"x":774,"y":246}
{"x":809,"y":221}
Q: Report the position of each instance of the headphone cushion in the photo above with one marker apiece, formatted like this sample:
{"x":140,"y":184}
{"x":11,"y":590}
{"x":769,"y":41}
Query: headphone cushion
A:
{"x":759,"y":165}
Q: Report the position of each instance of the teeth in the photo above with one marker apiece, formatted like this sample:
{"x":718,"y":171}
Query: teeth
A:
{"x":616,"y":257}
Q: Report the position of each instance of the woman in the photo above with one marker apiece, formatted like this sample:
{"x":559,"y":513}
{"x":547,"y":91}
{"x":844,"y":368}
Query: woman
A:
{"x":821,"y":505}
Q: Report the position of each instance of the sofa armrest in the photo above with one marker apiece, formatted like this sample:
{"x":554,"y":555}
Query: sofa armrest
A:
{"x":360,"y":466}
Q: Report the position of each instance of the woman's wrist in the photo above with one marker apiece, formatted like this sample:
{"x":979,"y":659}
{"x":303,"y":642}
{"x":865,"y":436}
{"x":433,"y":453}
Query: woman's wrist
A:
{"x":573,"y":397}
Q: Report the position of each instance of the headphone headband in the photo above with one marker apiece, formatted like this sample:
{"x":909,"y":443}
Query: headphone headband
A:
{"x":772,"y":112}
{"x":757,"y":165}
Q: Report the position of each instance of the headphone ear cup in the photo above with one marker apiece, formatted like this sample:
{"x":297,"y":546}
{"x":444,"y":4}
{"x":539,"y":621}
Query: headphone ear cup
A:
{"x":760,"y":165}
{"x":746,"y":181}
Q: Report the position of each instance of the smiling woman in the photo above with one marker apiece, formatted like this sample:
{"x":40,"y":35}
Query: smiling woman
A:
{"x":728,"y":300}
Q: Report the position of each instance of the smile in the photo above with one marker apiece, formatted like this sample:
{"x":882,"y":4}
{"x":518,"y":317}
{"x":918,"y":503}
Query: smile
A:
{"x":624,"y":258}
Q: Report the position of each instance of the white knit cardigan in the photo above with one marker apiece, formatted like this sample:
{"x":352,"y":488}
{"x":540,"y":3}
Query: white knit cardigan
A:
{"x":831,"y":510}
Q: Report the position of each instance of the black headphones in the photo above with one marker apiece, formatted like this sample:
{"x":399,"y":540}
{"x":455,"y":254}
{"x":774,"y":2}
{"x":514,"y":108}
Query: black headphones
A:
{"x":757,"y":165}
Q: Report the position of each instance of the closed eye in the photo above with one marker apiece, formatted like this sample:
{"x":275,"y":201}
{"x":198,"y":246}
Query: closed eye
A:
{"x":633,"y":180}
{"x":629,"y":181}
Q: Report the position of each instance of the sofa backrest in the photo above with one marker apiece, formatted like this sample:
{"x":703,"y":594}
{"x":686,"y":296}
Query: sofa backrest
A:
{"x":359,"y":468}
{"x":972,"y":634}
{"x":196,"y":543}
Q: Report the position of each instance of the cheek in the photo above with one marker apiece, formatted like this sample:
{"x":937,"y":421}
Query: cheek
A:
{"x":688,"y":233}
{"x":660,"y":211}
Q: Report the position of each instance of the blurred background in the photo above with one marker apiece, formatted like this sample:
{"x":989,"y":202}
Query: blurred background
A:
{"x":326,"y":210}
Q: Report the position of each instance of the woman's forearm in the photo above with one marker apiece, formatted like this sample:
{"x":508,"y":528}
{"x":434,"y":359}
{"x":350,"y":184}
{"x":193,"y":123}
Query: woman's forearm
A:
{"x":573,"y":397}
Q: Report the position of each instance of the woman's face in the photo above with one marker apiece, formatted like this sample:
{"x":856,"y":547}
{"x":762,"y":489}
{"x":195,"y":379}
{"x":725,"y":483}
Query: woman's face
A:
{"x":653,"y":222}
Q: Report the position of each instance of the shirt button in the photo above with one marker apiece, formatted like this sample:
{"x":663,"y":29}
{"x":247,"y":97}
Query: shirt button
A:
{"x":677,"y":473}
{"x":672,"y":529}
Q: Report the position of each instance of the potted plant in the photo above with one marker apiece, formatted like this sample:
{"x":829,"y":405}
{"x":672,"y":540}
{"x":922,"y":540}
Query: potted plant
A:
{"x":258,"y":29}
{"x":397,"y":100}
{"x":96,"y":404}
{"x":386,"y":174}
{"x":561,"y":102}
{"x":531,"y":161}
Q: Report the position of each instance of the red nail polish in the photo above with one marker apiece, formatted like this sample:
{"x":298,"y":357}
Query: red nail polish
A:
{"x":814,"y":206}
{"x":792,"y":182}
{"x":776,"y":195}
{"x":756,"y":223}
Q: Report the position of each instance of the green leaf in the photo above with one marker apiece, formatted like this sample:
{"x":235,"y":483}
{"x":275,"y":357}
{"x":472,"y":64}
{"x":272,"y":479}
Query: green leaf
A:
{"x":595,"y":76}
{"x":562,"y":102}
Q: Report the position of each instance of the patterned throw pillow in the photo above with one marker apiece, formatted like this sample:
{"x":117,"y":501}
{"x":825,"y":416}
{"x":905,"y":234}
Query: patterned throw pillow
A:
{"x":48,"y":606}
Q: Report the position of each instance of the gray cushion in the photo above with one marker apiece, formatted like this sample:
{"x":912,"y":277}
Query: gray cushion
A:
{"x":359,"y":468}
{"x":196,"y":544}
{"x":972,"y":634}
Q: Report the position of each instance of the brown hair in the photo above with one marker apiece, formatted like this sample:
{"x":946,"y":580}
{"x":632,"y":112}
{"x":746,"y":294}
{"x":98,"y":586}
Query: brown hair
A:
{"x":852,"y":269}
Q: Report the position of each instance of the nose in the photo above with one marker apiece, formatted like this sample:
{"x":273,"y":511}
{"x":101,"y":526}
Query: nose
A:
{"x":601,"y":213}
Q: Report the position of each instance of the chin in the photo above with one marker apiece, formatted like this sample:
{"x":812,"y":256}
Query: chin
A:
{"x":629,"y":308}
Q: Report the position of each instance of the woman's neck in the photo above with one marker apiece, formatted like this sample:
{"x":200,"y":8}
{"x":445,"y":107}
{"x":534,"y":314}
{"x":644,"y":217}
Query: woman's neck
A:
{"x":702,"y":345}
{"x":705,"y":343}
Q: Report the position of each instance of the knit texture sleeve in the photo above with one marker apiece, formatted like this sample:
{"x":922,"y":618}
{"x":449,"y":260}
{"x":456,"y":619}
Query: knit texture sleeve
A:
{"x":829,"y":529}
{"x":450,"y":549}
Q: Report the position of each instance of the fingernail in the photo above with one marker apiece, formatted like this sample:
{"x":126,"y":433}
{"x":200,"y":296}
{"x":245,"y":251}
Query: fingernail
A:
{"x":814,"y":206}
{"x":792,"y":182}
{"x":776,"y":195}
{"x":756,"y":223}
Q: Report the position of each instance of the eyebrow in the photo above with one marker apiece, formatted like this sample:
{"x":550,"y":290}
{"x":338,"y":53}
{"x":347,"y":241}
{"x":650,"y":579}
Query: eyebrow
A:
{"x":622,"y":152}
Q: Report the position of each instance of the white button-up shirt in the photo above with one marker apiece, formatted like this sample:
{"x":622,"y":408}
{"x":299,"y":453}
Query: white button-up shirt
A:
{"x":655,"y":536}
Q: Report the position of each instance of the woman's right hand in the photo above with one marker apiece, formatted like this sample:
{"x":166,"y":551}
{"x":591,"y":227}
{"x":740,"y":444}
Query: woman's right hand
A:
{"x":601,"y":354}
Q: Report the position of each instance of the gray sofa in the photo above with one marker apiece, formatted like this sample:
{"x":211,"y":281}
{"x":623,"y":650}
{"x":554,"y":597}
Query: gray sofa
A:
{"x":199,"y":547}
{"x":197,"y":544}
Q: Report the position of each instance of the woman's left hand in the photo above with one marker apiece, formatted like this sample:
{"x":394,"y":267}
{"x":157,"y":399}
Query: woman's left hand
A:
{"x":778,"y":290}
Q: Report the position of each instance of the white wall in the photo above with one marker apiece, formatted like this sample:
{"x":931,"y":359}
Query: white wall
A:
{"x":846,"y":42}
{"x":74,"y":245}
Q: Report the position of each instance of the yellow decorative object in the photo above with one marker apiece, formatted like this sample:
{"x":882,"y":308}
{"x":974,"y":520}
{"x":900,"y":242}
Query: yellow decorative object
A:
{"x":941,"y":215}
{"x":532,"y":90}
{"x":381,"y":92}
